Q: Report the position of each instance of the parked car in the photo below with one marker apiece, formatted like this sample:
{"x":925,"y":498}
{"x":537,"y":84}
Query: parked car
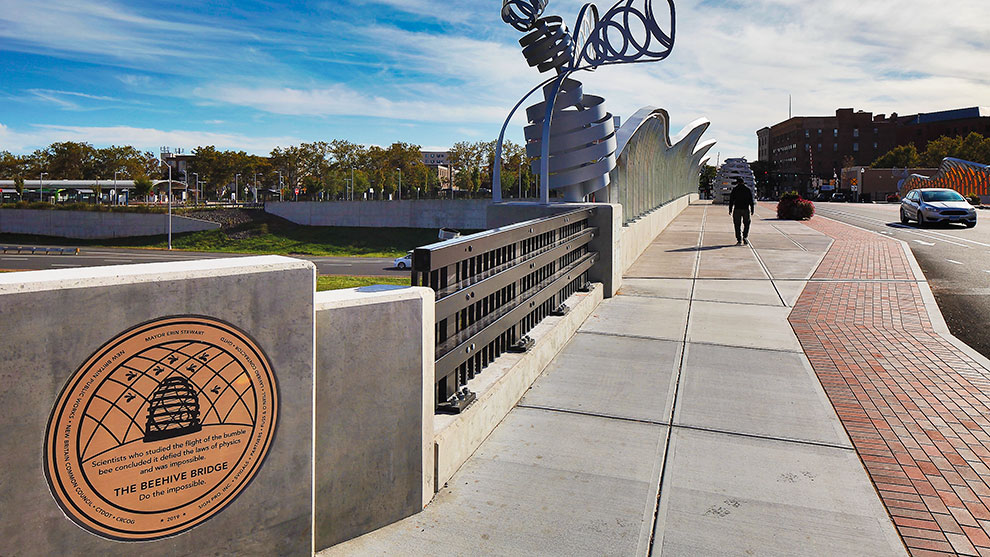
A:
{"x":839,"y":197}
{"x":937,"y":205}
{"x":404,"y":262}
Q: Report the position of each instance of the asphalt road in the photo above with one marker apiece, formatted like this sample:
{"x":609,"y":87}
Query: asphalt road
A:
{"x":94,"y":257}
{"x":955,"y":260}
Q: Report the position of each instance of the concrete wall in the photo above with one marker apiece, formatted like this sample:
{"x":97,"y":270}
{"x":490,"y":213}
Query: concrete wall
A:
{"x":636,"y":236}
{"x":90,"y":224}
{"x":374,"y":409}
{"x":53,"y":321}
{"x":467,"y":214}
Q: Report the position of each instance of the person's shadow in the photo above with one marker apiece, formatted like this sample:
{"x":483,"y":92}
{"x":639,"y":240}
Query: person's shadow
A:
{"x":702,"y":248}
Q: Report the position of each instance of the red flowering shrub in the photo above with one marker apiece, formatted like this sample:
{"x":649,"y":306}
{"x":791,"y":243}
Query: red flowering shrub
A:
{"x":792,"y":207}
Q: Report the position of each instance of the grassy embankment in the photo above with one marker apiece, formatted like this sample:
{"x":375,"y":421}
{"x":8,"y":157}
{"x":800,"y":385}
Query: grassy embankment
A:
{"x":273,"y":237}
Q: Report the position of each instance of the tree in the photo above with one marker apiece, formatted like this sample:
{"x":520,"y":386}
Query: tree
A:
{"x":142,"y":186}
{"x":69,"y":160}
{"x":707,"y":177}
{"x":19,"y":186}
{"x":974,"y":148}
{"x":903,"y":156}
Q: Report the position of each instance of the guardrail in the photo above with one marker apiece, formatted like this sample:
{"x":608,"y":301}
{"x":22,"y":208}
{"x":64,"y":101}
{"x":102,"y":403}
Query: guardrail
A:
{"x":39,"y":250}
{"x":493,"y":287}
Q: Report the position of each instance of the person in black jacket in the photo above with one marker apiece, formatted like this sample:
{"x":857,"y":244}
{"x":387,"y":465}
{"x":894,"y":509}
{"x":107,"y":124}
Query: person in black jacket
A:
{"x":741,"y":199}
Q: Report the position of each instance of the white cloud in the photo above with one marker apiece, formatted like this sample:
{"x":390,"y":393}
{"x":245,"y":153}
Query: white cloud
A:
{"x":146,"y":139}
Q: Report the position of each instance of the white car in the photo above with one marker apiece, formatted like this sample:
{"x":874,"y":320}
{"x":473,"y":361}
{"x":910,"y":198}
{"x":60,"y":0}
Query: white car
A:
{"x":937,"y":205}
{"x":404,"y":262}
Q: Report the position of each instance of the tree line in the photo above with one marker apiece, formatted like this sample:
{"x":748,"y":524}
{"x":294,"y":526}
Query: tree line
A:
{"x":974,"y":148}
{"x":318,"y":170}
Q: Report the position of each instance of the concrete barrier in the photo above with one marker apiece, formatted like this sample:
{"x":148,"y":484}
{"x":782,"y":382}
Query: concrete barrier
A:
{"x":374,"y":409}
{"x":618,"y":245}
{"x":167,"y":404}
{"x":95,"y":225}
{"x":469,"y":214}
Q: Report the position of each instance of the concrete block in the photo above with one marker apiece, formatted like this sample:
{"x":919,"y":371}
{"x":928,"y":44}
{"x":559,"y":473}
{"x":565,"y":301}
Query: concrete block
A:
{"x":738,"y":325}
{"x":735,"y":495}
{"x":500,"y":386}
{"x":92,"y":349}
{"x":544,"y":483}
{"x":374,"y":409}
{"x":575,"y":380}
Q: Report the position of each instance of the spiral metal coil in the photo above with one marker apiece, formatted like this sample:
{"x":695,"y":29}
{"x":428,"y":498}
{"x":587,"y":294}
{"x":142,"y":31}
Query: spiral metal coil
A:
{"x":582,"y":133}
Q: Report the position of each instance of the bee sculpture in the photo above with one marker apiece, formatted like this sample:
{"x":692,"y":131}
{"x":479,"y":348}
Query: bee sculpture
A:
{"x":571,"y":133}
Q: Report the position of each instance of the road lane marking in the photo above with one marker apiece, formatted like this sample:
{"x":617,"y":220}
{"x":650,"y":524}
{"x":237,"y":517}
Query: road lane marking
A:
{"x":954,"y":261}
{"x":65,"y":265}
{"x":14,"y":258}
{"x":929,"y":234}
{"x":925,"y":243}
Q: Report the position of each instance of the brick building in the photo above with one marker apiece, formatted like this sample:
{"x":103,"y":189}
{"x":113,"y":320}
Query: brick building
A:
{"x":803,"y":148}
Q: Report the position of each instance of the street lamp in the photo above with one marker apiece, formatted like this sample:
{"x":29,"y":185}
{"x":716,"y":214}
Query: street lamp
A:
{"x":280,"y":185}
{"x":121,"y":171}
{"x":256,"y":174}
{"x":236,"y":176}
{"x":41,"y":187}
{"x":400,"y":183}
{"x":199,"y":194}
{"x":520,"y":180}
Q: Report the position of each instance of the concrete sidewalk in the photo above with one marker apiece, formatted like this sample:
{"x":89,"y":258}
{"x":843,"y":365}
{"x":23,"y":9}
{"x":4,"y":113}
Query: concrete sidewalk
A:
{"x":683,"y":419}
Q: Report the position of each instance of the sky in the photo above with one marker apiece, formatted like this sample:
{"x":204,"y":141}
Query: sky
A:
{"x":252,"y":75}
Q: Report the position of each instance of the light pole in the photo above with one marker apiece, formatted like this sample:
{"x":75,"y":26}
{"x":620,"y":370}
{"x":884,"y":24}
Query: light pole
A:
{"x":41,"y":187}
{"x":121,"y":171}
{"x":352,"y":183}
{"x":199,"y":194}
{"x":280,"y":185}
{"x":400,"y":183}
{"x":170,"y":207}
{"x":520,"y":180}
{"x":236,"y":176}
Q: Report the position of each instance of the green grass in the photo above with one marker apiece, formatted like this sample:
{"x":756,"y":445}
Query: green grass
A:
{"x":279,"y":237}
{"x":336,"y":282}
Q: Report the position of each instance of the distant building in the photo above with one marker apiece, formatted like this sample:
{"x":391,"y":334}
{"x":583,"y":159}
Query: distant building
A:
{"x":806,"y":147}
{"x":439,"y":161}
{"x":877,"y":183}
{"x":726,"y":176}
{"x":179,"y":162}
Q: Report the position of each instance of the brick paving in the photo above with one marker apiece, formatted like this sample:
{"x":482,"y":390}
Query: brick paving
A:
{"x":916,"y":408}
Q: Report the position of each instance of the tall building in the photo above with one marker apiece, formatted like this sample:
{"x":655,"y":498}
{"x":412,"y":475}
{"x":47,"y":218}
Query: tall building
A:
{"x":803,"y":148}
{"x":725,"y":179}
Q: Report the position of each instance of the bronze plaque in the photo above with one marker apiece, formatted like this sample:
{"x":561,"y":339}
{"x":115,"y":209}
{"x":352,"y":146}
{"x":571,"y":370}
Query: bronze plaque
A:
{"x":161,"y":428}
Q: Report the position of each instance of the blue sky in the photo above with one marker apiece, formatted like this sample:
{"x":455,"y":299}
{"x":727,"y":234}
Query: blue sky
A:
{"x":253,"y":75}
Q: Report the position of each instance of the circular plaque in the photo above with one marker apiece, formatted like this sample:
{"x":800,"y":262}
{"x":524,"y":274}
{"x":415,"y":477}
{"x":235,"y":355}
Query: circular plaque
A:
{"x":161,"y":428}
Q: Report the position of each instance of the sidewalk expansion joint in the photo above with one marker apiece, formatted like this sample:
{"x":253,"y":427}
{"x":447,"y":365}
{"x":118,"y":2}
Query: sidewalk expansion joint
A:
{"x":700,"y":300}
{"x":646,"y":421}
{"x":766,"y":270}
{"x":593,"y":414}
{"x":695,"y":342}
{"x":764,"y":437}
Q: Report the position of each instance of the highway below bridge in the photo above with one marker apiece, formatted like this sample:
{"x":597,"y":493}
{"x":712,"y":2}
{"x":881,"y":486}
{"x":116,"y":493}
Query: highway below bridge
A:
{"x":955,"y":260}
{"x":94,"y":257}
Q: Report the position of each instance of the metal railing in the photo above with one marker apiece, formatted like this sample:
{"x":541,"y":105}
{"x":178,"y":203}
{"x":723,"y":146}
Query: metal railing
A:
{"x":493,"y":287}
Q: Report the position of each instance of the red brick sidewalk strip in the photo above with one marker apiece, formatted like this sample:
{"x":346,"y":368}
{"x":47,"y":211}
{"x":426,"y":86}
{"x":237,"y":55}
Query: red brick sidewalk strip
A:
{"x":916,"y":408}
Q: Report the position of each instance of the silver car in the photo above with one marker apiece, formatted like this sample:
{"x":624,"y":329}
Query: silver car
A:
{"x":937,"y":205}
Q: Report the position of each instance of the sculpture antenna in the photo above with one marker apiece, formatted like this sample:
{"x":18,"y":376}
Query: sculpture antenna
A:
{"x":580,"y":155}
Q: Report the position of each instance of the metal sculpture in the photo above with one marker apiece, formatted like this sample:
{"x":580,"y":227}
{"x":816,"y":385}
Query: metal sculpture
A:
{"x":967,"y":178}
{"x":581,"y":153}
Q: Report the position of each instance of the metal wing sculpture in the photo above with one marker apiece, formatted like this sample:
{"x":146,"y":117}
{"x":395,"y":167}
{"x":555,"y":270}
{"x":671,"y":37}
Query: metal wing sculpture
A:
{"x":570,"y":132}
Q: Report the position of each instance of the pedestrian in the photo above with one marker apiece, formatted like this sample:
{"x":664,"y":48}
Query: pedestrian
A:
{"x":741,"y":199}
